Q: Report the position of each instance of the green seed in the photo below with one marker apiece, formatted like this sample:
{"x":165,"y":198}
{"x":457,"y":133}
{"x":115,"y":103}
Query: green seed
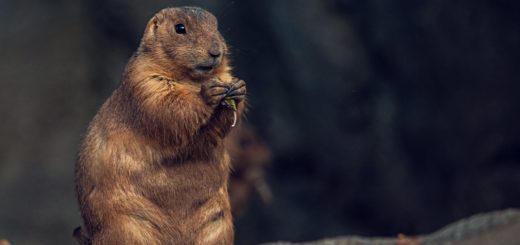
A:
{"x":233,"y":105}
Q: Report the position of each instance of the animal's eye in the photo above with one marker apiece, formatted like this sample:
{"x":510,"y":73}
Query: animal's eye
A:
{"x":180,"y":28}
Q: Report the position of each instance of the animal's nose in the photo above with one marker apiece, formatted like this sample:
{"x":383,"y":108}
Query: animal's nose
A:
{"x":215,"y":53}
{"x":215,"y":50}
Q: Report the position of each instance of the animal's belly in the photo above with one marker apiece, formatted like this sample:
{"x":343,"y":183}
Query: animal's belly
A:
{"x":193,"y":198}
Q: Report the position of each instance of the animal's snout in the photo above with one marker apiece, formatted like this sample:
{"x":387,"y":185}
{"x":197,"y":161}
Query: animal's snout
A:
{"x":215,"y":51}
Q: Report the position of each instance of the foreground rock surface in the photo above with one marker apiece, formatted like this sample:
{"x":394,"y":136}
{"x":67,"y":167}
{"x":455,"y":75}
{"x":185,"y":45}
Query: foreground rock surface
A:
{"x":497,"y":228}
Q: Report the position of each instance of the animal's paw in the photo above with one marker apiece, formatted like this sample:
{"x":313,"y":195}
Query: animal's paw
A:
{"x":214,"y":91}
{"x":237,"y":90}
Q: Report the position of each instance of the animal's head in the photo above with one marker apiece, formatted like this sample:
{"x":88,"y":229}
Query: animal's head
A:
{"x":187,"y":38}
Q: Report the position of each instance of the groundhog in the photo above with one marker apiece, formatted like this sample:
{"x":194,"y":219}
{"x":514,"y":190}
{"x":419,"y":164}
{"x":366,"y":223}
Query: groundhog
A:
{"x":152,"y":168}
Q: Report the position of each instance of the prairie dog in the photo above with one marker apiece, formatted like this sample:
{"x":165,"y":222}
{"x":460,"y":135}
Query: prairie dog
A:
{"x":152,"y":168}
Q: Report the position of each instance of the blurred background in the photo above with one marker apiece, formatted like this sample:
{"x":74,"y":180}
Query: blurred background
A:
{"x":381,"y":116}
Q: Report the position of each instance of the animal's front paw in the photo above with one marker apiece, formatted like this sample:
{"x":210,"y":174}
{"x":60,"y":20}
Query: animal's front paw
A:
{"x":214,"y":91}
{"x":237,"y":90}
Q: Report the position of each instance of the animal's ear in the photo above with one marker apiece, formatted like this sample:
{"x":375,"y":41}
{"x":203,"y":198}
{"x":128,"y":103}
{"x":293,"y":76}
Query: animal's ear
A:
{"x":153,"y":24}
{"x":150,"y":31}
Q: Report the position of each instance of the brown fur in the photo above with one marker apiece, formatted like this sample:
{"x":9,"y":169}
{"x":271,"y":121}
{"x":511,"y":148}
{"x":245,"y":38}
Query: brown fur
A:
{"x":4,"y":242}
{"x":152,"y":168}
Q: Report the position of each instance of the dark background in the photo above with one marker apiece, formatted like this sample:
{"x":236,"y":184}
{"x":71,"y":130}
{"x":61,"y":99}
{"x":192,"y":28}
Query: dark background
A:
{"x":383,"y":116}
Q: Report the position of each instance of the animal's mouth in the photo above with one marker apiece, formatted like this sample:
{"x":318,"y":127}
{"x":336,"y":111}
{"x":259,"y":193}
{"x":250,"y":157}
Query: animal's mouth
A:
{"x":209,"y":66}
{"x":205,"y":68}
